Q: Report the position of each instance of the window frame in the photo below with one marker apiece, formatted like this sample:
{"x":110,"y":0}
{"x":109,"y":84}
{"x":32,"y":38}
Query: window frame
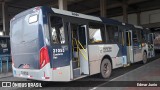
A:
{"x":50,"y":30}
{"x":102,"y":36}
{"x":135,"y":32}
{"x":107,"y":39}
{"x":139,"y":35}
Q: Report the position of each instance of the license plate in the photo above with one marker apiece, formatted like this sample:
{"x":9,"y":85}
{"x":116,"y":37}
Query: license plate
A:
{"x":24,"y":72}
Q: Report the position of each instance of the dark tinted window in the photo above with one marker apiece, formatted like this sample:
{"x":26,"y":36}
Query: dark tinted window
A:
{"x":112,"y":32}
{"x":4,"y":45}
{"x":138,"y":35}
{"x":128,"y":38}
{"x":150,"y":38}
{"x":135,"y":36}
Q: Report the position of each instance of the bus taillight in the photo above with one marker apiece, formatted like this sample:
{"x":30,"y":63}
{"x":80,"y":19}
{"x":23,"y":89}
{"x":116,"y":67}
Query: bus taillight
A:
{"x":44,"y":57}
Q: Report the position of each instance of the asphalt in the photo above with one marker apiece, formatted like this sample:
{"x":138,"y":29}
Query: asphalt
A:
{"x":149,"y":73}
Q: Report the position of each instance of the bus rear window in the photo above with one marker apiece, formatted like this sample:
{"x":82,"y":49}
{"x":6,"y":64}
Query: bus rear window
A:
{"x":57,"y":30}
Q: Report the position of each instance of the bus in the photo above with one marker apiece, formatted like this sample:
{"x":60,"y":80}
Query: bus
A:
{"x":150,"y":38}
{"x":156,"y":41}
{"x":4,"y":45}
{"x":49,"y":44}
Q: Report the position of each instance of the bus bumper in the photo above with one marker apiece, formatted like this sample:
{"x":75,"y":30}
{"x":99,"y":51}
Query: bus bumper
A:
{"x":44,"y":74}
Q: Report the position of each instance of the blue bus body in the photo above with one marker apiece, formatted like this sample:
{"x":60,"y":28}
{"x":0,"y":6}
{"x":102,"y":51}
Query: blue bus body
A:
{"x":37,"y":55}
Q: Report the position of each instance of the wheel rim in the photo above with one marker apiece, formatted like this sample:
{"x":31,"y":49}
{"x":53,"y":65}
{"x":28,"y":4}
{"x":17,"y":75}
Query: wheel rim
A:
{"x":106,"y":68}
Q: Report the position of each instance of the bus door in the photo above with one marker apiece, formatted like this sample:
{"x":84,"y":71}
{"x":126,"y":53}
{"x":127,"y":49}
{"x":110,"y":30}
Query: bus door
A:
{"x":137,"y":45}
{"x":59,"y":53}
{"x":80,"y":64}
{"x":129,"y":45}
{"x":151,"y":45}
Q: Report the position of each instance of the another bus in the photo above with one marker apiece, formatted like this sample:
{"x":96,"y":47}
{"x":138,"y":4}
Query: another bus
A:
{"x":150,"y":38}
{"x":49,"y":44}
{"x":5,"y":45}
{"x":156,"y":40}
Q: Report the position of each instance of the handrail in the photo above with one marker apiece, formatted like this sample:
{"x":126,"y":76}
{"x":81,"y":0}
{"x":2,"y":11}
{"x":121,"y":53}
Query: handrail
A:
{"x":76,"y":43}
{"x":83,"y":54}
{"x":81,"y":46}
{"x":78,"y":48}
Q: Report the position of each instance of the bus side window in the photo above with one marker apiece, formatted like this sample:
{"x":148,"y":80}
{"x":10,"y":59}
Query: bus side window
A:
{"x":135,"y":37}
{"x":112,"y":32}
{"x":121,"y":36}
{"x":150,"y":39}
{"x":128,"y":38}
{"x":57,"y":30}
{"x":139,"y":35}
{"x":96,"y":33}
{"x":143,"y":36}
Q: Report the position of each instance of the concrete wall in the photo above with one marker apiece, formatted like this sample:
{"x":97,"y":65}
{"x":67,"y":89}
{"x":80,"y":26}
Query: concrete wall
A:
{"x":150,"y":17}
{"x":146,"y":17}
{"x":132,"y":18}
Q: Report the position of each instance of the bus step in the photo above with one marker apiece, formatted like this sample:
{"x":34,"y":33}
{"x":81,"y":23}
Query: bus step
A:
{"x":126,"y":65}
{"x":75,"y":64}
{"x":76,"y":72}
{"x":75,"y":59}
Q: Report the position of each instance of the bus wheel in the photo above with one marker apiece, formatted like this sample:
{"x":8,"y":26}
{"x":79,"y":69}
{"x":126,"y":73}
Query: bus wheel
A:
{"x":106,"y":68}
{"x":144,"y":57}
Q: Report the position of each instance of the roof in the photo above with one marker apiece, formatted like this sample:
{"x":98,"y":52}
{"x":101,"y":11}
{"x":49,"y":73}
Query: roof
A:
{"x":74,"y":14}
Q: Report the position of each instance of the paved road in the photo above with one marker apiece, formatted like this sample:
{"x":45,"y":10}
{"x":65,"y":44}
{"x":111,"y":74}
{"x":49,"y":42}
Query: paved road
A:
{"x":149,"y":72}
{"x":91,"y":82}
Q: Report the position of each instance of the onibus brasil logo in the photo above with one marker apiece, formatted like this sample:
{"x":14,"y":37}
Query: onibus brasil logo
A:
{"x":21,"y":84}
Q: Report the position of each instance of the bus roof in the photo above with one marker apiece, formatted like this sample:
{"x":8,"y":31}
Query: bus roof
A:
{"x":89,"y":17}
{"x":74,"y":14}
{"x":78,"y":15}
{"x":111,"y":21}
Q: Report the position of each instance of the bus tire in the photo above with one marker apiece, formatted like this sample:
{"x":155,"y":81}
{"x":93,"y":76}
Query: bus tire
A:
{"x":144,"y":58}
{"x":105,"y":68}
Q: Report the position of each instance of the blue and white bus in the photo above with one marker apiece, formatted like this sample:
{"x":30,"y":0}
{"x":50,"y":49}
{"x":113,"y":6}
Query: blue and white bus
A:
{"x":49,"y":44}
